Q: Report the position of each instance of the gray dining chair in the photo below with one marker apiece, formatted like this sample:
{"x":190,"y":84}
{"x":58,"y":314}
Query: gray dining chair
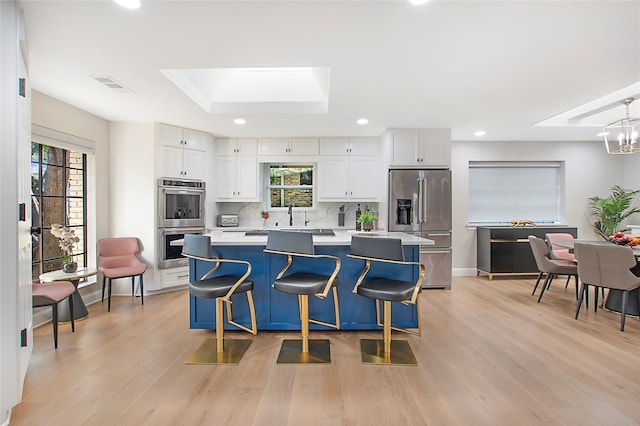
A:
{"x":608,"y":266}
{"x":550,"y":267}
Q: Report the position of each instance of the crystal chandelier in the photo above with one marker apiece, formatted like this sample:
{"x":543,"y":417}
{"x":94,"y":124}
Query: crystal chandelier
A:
{"x":621,"y":136}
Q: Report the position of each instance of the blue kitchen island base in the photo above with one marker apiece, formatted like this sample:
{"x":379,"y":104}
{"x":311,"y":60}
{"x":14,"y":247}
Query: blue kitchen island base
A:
{"x":279,"y":311}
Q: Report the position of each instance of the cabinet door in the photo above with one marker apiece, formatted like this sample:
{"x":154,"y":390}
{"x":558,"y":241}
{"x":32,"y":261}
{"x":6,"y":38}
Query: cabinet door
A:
{"x":363,"y":146}
{"x":195,"y":140}
{"x":334,"y":146}
{"x":246,"y":178}
{"x":273,"y":146}
{"x":435,"y":147}
{"x":363,"y":178}
{"x":194,"y":164}
{"x":404,"y":147}
{"x":304,"y":146}
{"x":333,"y":178}
{"x":247,"y":147}
{"x":169,"y":135}
{"x":172,"y":162}
{"x":226,"y":178}
{"x":225,"y":146}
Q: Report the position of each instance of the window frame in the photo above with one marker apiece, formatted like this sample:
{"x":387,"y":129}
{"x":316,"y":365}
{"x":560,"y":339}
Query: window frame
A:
{"x":269,"y":187}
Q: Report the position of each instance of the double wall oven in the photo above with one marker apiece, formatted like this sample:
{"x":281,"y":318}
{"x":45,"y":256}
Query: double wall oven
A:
{"x":180,"y":212}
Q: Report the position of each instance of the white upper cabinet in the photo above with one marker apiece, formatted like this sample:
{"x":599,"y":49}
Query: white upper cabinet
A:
{"x":233,"y":146}
{"x":344,"y":178}
{"x":236,"y":169}
{"x":288,"y":146}
{"x":182,"y":152}
{"x":349,"y":146}
{"x":168,"y":135}
{"x":420,"y":147}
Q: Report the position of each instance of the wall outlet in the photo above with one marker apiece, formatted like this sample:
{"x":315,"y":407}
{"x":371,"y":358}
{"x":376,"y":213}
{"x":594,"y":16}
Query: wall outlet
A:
{"x":23,"y":338}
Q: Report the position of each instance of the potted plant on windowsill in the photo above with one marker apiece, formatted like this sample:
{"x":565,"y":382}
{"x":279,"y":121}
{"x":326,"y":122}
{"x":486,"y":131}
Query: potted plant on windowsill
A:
{"x":366,"y":220}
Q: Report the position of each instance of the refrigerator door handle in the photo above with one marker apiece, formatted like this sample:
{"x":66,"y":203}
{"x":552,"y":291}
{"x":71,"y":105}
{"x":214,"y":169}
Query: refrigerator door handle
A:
{"x":424,"y":200}
{"x":420,"y":205}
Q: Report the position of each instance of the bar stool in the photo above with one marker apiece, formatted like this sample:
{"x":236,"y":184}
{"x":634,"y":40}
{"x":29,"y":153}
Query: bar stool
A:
{"x":386,"y":251}
{"x":221,"y":288}
{"x":297,"y":245}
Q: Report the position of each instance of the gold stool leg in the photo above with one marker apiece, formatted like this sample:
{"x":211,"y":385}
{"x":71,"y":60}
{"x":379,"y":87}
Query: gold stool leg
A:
{"x":386,"y":351}
{"x":218,"y":350}
{"x":304,"y":351}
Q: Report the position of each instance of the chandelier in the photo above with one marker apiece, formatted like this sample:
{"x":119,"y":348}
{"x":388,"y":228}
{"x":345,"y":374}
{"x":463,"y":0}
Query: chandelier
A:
{"x":621,"y":136}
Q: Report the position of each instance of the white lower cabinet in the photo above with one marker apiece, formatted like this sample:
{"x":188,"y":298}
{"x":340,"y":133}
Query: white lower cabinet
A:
{"x":174,"y":277}
{"x":348,"y":178}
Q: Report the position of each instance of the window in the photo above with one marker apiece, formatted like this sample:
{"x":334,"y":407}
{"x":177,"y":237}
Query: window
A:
{"x":58,"y":195}
{"x":290,"y":185}
{"x":500,"y":192}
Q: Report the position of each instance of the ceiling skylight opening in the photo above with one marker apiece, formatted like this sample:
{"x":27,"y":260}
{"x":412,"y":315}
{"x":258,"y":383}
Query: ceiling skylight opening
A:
{"x":129,"y":4}
{"x":240,"y":121}
{"x":259,"y":90}
{"x":362,"y":121}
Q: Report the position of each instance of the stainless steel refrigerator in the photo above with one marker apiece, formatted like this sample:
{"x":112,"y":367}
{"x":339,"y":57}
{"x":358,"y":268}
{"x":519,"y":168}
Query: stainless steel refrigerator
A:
{"x":420,"y":204}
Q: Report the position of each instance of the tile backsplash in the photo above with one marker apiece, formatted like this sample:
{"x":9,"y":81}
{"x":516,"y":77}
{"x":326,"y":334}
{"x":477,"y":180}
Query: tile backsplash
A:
{"x":324,"y":215}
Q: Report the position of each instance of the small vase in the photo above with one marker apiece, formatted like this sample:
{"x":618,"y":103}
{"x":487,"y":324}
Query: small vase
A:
{"x":70,"y":267}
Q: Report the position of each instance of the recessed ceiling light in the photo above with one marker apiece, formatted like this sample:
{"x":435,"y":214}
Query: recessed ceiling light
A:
{"x":418,"y":2}
{"x":480,"y":133}
{"x":129,"y":4}
{"x":362,"y":121}
{"x":240,"y":121}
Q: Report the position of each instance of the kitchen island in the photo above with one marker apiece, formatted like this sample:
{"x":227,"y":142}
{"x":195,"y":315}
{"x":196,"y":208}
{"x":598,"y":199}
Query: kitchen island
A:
{"x":279,"y":311}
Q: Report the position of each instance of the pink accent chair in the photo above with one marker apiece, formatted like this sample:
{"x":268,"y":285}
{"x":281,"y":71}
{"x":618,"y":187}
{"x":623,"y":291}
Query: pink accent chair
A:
{"x":50,"y":294}
{"x":559,"y":252}
{"x":118,"y":260}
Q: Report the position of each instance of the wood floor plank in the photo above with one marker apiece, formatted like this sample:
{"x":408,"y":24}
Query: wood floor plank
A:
{"x":489,"y":355}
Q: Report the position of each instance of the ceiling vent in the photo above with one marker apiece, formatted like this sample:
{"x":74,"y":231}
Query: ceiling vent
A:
{"x":111,"y":83}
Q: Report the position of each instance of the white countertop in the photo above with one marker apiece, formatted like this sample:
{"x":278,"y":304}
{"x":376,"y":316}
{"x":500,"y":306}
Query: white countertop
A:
{"x":341,"y":238}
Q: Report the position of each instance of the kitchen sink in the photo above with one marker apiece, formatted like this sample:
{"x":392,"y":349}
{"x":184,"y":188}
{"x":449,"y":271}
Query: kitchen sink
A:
{"x":314,"y":231}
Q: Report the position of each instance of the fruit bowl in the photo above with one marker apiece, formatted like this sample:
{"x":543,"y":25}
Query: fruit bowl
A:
{"x":623,"y":239}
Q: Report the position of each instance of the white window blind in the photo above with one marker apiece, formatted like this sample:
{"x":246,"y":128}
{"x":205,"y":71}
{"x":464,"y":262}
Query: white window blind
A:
{"x":500,"y":192}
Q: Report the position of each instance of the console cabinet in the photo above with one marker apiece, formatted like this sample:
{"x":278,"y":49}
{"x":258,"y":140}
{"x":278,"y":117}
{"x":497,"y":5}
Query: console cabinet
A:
{"x":505,"y":250}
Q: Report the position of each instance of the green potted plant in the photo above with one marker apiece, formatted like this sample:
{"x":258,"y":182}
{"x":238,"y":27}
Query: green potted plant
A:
{"x":366,"y":220}
{"x":611,"y":211}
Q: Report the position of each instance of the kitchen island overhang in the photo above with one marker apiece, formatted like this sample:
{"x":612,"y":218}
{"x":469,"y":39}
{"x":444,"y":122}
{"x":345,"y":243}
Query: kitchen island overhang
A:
{"x":279,"y":311}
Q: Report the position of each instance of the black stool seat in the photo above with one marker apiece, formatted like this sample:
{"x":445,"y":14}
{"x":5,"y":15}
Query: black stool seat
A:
{"x":303,"y":283}
{"x":386,"y":289}
{"x":211,"y":288}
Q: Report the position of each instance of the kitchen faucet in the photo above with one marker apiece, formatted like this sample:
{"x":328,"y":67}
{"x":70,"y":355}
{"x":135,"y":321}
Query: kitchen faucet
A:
{"x":290,"y":211}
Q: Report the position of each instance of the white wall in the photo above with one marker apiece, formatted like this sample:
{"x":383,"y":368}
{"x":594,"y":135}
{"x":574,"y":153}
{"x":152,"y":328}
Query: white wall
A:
{"x":589,"y":171}
{"x":133,"y":193}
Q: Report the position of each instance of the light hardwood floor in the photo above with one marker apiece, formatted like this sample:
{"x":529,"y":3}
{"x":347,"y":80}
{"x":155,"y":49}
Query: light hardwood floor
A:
{"x":489,"y":354}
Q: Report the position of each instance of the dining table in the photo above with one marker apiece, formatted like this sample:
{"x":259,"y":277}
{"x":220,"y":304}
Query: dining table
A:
{"x":614,"y":297}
